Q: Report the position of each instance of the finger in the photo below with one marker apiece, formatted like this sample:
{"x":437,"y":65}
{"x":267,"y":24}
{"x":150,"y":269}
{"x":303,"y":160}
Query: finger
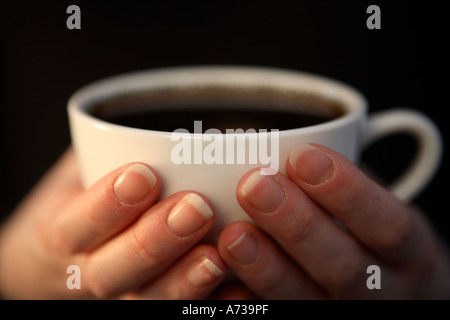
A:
{"x":62,"y":180}
{"x":326,"y":252}
{"x":106,"y":208}
{"x":151,"y":245}
{"x":262,"y":266}
{"x":370,"y":212}
{"x":195,"y":276}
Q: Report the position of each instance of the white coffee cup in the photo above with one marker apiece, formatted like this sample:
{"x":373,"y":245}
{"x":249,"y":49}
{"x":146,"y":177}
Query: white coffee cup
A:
{"x":101,"y":146}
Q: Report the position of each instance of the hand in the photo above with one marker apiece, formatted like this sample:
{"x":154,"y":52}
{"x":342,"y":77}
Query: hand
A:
{"x":126,"y":244}
{"x":322,"y":227}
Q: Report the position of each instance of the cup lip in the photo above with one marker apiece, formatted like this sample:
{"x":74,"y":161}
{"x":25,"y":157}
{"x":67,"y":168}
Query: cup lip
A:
{"x":226,"y":75}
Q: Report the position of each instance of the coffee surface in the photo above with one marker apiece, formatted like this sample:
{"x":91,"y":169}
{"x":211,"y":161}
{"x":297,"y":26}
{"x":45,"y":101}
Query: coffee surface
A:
{"x":219,"y":107}
{"x":222,"y":119}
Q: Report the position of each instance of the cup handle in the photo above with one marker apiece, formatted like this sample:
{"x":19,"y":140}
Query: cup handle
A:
{"x":428,"y":157}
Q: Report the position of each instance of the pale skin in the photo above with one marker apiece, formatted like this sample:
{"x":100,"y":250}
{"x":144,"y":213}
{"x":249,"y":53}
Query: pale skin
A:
{"x":316,"y":231}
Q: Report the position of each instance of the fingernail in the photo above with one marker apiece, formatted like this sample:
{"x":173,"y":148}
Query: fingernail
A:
{"x":188,"y":215}
{"x":244,"y":249}
{"x":311,"y":165}
{"x":263,"y":192}
{"x":134,"y":184}
{"x":202,"y":273}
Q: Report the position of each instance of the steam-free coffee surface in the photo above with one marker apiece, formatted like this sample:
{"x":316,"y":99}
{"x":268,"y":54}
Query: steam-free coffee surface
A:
{"x":222,"y":119}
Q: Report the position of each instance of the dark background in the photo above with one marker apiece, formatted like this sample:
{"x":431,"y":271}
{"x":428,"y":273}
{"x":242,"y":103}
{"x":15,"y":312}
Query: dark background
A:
{"x":42,"y":63}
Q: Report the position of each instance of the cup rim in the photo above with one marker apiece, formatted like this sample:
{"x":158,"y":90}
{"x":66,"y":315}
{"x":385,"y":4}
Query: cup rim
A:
{"x":222,"y":75}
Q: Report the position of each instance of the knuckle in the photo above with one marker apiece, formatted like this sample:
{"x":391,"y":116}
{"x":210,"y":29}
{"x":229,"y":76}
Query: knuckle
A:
{"x":97,"y":285}
{"x":142,"y":252}
{"x":180,"y":292}
{"x":398,"y":234}
{"x":269,"y":281}
{"x":301,"y":228}
{"x":353,"y":200}
{"x":58,"y":240}
{"x":96,"y":217}
{"x":347,"y":276}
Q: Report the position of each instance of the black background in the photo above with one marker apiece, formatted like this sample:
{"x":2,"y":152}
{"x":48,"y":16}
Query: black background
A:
{"x":42,"y":63}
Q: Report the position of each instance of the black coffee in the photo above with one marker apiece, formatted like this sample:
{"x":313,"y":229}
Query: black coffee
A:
{"x":222,"y":119}
{"x":220,"y":108}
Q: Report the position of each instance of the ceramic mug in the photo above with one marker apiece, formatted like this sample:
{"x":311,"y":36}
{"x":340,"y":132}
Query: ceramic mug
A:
{"x":101,"y":146}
